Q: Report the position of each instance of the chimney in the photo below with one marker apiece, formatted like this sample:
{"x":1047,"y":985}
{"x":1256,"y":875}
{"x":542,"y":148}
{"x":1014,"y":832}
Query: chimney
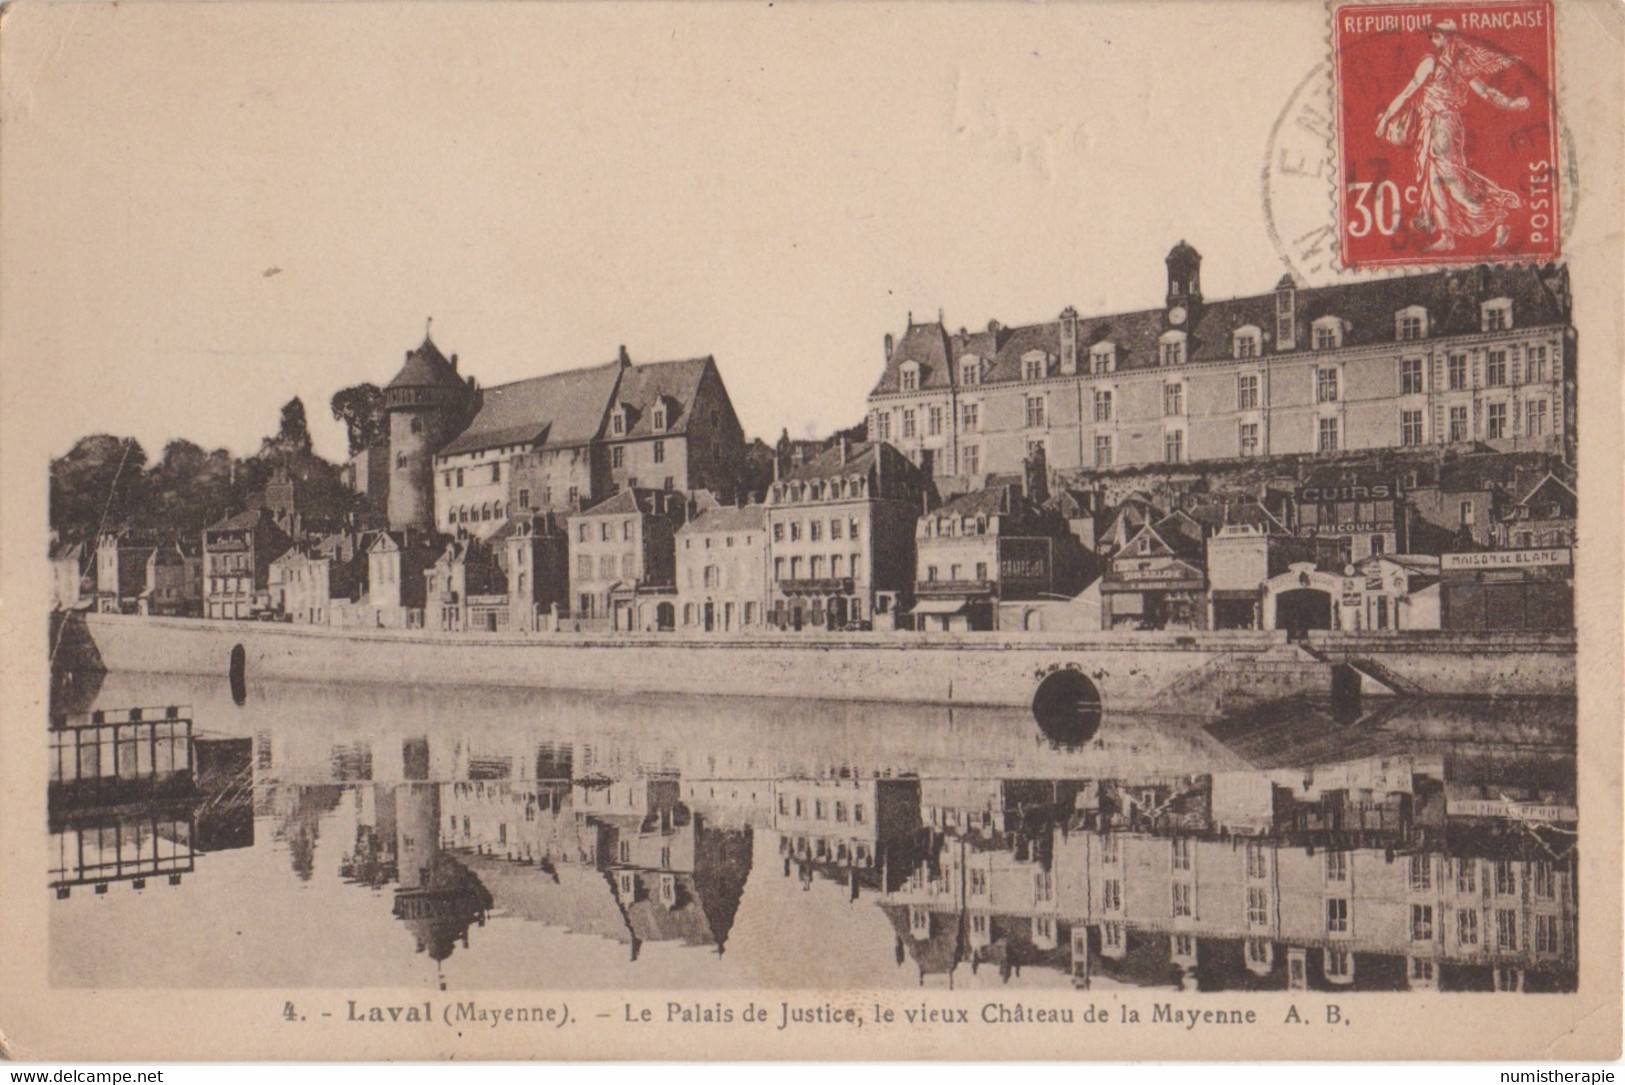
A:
{"x":624,"y":358}
{"x":843,"y":448}
{"x":454,"y":363}
{"x":891,"y":345}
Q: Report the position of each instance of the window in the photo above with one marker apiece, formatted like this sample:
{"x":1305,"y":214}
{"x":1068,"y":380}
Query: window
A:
{"x":1258,"y":907}
{"x":795,"y":530}
{"x":1410,"y":376}
{"x":1458,"y":424}
{"x":1497,"y":315}
{"x":1421,"y":922}
{"x":908,"y":422}
{"x":1339,"y":964}
{"x":1506,"y":929}
{"x":1249,"y":438}
{"x":1111,"y":895}
{"x":1421,"y":872}
{"x":852,"y":533}
{"x":1247,"y":392}
{"x":981,"y":570}
{"x":1534,"y":365}
{"x":606,"y":567}
{"x":1108,"y":849}
{"x":617,"y":456}
{"x":1456,"y":372}
{"x":1410,"y":427}
{"x":969,"y":371}
{"x":1546,"y":934}
{"x":1326,"y":385}
{"x":1337,"y":866}
{"x":1173,"y":351}
{"x":459,"y":477}
{"x":1506,"y":879}
{"x":416,"y":425}
{"x":1103,"y":405}
{"x":1111,"y":935}
{"x":968,"y":414}
{"x":1328,"y":435}
{"x":1466,"y":875}
{"x":1467,"y":517}
{"x":1180,"y":851}
{"x":1467,"y":927}
{"x":1173,"y":446}
{"x":1327,"y":336}
{"x":1495,"y":369}
{"x":1495,"y":421}
{"x":857,"y":812}
{"x":1181,"y":900}
{"x":933,"y":421}
{"x":1173,"y":398}
{"x":660,"y":451}
{"x":1246,"y":344}
{"x":931,"y":573}
{"x":1102,"y":358}
{"x":815,"y":530}
{"x":883,"y":425}
{"x":617,"y":423}
{"x":1035,"y":412}
{"x":1535,"y":418}
{"x":1182,"y":945}
{"x":1032,"y":368}
{"x":1545,"y":879}
{"x":1258,"y":951}
{"x":626,"y":531}
{"x":1337,"y":915}
{"x":1410,"y":324}
{"x":911,"y":378}
{"x":524,"y":499}
{"x":1258,"y":861}
{"x":816,"y":567}
{"x":603,"y":531}
{"x":1103,"y":451}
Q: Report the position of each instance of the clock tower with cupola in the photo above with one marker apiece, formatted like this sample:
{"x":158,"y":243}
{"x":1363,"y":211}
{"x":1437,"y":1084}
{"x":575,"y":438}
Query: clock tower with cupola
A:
{"x":1184,"y":287}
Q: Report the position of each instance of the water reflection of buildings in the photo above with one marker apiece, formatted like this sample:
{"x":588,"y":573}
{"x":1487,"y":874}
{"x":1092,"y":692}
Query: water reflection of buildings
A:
{"x":1372,"y":875}
{"x":132,"y":795}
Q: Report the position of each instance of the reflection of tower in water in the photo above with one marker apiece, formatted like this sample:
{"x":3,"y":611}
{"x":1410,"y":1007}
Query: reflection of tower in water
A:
{"x":438,"y":899}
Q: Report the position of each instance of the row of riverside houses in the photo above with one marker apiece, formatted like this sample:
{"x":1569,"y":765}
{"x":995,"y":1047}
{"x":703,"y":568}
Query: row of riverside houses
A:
{"x":1387,"y":436}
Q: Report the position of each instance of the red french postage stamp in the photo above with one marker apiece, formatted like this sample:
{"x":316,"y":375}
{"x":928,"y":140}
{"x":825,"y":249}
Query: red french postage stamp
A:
{"x":1447,"y":136}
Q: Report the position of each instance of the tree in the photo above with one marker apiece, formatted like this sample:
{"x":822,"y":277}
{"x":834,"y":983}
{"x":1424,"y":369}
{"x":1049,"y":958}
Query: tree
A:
{"x":294,"y":433}
{"x":361,"y":408}
{"x":98,"y":484}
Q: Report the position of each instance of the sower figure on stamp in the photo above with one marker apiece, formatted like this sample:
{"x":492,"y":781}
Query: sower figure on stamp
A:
{"x":1455,"y":200}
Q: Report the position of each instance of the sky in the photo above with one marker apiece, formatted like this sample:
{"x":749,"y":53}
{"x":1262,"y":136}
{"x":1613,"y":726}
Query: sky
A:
{"x":212,"y":208}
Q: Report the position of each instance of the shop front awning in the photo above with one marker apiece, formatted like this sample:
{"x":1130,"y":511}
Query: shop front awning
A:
{"x":939,"y":606}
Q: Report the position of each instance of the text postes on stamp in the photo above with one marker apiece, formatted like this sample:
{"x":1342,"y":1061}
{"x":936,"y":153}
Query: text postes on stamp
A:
{"x":1446,"y":133}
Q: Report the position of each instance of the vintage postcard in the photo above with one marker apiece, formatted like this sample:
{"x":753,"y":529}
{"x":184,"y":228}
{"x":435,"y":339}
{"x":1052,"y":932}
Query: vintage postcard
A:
{"x":803,"y":531}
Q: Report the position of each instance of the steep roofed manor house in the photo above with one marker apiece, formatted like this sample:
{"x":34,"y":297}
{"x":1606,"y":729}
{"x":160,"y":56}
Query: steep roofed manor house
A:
{"x":467,"y":459}
{"x":1478,"y":357}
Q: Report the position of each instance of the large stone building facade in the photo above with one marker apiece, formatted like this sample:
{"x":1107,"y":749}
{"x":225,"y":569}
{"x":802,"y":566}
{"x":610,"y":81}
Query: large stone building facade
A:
{"x":466,"y":460}
{"x":1481,"y":357}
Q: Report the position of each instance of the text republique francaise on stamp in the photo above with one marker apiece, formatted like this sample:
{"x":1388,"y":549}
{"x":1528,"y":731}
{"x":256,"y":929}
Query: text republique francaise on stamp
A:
{"x":1446,"y":133}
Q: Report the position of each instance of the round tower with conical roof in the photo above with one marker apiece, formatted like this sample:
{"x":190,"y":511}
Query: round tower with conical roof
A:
{"x":428,"y":405}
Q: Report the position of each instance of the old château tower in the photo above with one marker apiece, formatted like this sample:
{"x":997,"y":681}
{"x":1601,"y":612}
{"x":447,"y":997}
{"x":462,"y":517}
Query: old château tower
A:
{"x":428,"y":405}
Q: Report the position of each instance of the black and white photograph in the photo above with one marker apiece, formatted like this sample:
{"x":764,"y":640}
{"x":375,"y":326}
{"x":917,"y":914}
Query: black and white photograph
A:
{"x":808,"y":531}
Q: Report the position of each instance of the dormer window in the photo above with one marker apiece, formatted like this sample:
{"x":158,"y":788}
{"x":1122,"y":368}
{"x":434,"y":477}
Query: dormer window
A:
{"x":1411,"y":323}
{"x":1103,"y":358}
{"x":970,"y":370}
{"x":1495,"y":315}
{"x":1247,"y":342}
{"x":1328,"y":333}
{"x":657,"y":417}
{"x":1173,"y":348}
{"x":1033,"y":365}
{"x":617,"y":423}
{"x":910,"y":376}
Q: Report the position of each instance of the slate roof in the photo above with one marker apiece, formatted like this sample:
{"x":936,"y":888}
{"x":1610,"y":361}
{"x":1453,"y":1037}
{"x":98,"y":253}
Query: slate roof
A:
{"x":426,"y":367}
{"x":1451,"y":298}
{"x":642,"y":386}
{"x":639,"y":500}
{"x":559,"y":410}
{"x":991,"y":501}
{"x":249,"y":518}
{"x":728,"y":518}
